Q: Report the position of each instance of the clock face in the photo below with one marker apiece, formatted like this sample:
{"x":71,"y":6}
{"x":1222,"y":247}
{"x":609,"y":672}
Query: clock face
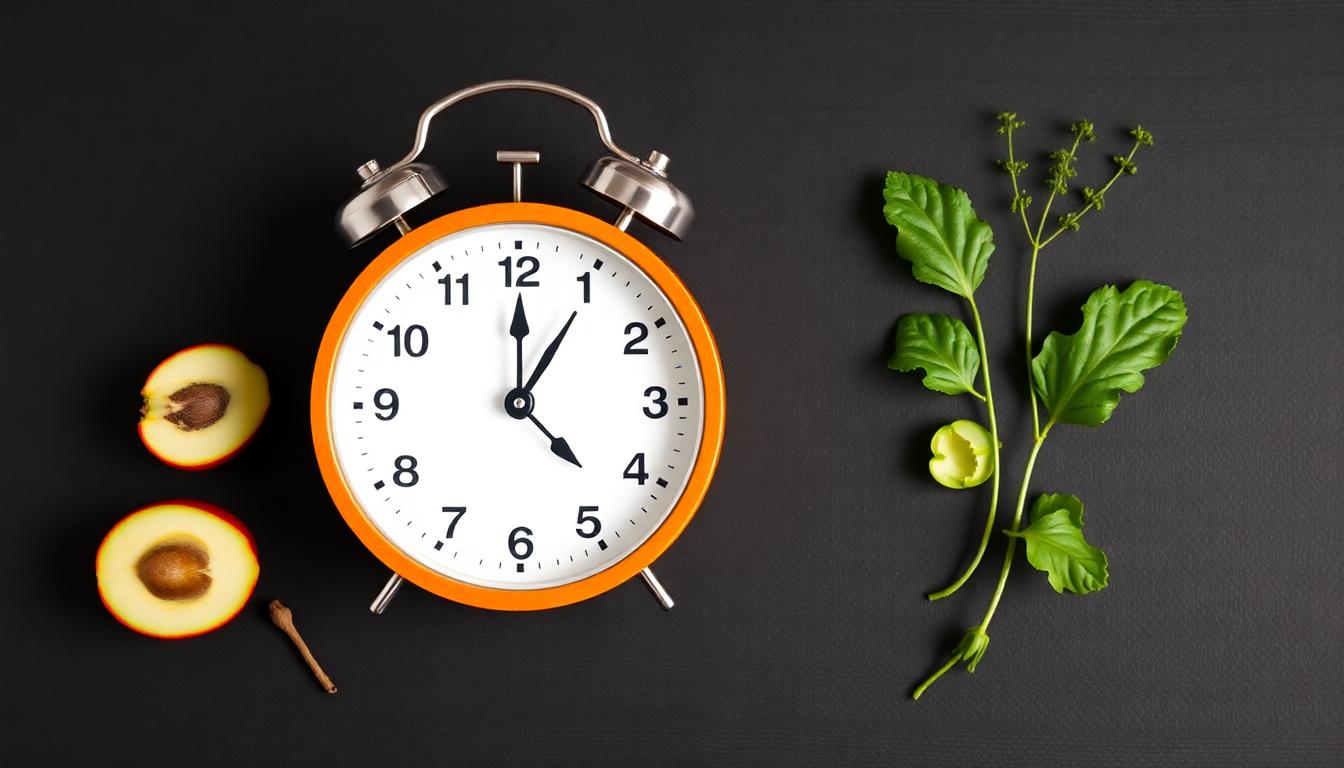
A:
{"x":516,"y":406}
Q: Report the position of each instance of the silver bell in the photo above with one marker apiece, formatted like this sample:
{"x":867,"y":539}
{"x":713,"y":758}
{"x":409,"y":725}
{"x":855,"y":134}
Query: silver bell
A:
{"x":643,"y":189}
{"x":385,"y":198}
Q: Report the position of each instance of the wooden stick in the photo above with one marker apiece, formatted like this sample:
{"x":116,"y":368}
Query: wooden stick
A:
{"x":284,"y":619}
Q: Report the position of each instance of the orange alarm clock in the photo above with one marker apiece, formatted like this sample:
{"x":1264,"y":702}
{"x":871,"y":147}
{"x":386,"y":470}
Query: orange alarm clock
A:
{"x":517,"y":406}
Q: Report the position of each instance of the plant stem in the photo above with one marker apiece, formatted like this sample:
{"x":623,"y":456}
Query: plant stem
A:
{"x":1031,"y":302}
{"x":1017,"y":522}
{"x":931,"y":679}
{"x":994,"y":457}
{"x":1012,"y":173}
{"x":983,"y":626}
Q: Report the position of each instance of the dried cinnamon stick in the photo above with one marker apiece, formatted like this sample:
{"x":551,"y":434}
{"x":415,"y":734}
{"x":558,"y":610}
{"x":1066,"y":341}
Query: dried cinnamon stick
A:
{"x":284,"y":619}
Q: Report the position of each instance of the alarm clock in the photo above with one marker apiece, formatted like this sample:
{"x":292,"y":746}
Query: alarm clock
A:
{"x":517,"y":406}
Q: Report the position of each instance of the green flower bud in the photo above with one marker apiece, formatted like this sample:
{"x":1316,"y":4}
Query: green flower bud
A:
{"x":1124,"y":165}
{"x":962,"y":455}
{"x":1094,"y":198}
{"x":1142,"y":135}
{"x":972,"y":648}
{"x":1083,"y":130}
{"x":1008,"y":122}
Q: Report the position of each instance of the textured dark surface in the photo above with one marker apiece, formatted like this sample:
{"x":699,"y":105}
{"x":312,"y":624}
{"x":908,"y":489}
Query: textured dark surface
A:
{"x":173,"y":176}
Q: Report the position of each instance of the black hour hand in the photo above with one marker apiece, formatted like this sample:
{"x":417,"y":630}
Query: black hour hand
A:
{"x":558,"y":445}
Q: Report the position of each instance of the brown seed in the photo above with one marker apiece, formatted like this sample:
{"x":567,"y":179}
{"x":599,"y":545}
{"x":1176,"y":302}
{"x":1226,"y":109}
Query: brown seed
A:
{"x":176,"y":570}
{"x":198,"y":406}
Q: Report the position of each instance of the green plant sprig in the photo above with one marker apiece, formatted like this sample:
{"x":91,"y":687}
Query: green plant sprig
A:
{"x":1062,"y":169}
{"x":1077,"y":378}
{"x":936,"y":343}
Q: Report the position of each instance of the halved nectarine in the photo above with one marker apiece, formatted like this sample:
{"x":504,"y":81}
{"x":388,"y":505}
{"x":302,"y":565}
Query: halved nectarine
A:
{"x":202,"y":405}
{"x":177,"y":569}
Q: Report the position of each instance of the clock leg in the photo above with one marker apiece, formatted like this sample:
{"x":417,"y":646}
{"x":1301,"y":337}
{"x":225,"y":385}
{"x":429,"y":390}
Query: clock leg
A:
{"x":657,"y":588}
{"x":384,"y":597}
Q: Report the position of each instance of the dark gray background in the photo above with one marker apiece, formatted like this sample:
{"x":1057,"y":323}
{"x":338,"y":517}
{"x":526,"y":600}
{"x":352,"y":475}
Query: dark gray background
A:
{"x":173,"y":172}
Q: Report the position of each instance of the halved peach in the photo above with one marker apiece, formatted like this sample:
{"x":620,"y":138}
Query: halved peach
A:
{"x":202,"y":405}
{"x":176,"y":569}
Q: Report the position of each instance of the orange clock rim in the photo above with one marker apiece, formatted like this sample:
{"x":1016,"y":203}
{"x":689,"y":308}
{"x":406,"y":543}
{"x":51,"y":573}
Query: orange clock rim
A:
{"x":711,"y":443}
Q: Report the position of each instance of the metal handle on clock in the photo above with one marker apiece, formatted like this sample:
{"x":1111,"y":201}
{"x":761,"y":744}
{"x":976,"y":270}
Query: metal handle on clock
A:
{"x":422,"y":129}
{"x":640,"y":187}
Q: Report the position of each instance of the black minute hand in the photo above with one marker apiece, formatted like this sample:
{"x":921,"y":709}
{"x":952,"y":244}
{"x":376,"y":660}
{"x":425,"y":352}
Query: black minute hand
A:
{"x":549,"y":353}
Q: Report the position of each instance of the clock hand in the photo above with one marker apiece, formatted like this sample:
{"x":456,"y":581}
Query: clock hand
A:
{"x":519,"y":402}
{"x":518,"y":329}
{"x":548,"y":354}
{"x":558,"y":445}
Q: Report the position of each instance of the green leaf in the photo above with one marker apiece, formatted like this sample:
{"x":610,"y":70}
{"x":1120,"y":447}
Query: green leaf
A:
{"x":943,"y":347}
{"x":1055,"y":545}
{"x":1053,"y":502}
{"x":938,"y":232}
{"x":1124,"y":333}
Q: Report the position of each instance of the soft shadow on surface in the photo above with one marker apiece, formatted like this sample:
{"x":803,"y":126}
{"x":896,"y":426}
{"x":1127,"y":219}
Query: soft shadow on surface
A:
{"x":74,"y":587}
{"x":110,"y":407}
{"x":867,"y":208}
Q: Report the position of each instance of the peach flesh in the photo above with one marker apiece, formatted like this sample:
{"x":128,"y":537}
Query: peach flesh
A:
{"x":202,"y":405}
{"x":176,"y":569}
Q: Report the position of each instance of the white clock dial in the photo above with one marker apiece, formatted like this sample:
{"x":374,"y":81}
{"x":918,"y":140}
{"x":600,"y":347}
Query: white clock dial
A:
{"x":493,"y":483}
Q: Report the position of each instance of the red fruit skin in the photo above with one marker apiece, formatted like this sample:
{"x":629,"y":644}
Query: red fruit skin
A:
{"x":207,"y":465}
{"x":209,"y":509}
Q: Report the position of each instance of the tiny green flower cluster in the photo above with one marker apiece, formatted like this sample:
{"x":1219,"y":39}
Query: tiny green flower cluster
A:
{"x":1094,"y":198}
{"x":1063,"y":168}
{"x":1008,"y":122}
